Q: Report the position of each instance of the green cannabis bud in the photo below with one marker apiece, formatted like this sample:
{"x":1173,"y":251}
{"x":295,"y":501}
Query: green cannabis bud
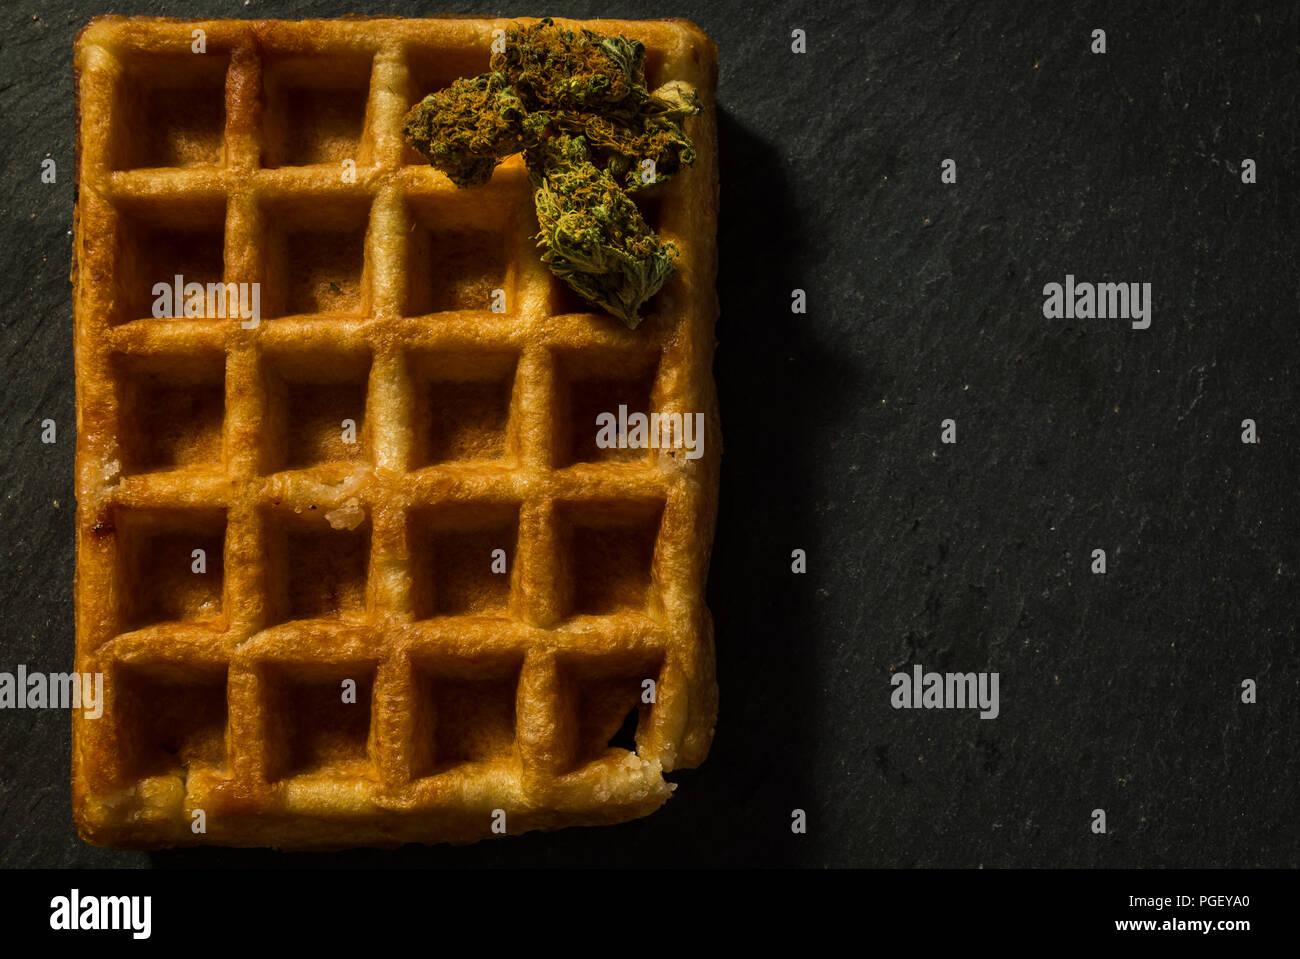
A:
{"x":576,"y":105}
{"x":468,"y":128}
{"x":593,"y":236}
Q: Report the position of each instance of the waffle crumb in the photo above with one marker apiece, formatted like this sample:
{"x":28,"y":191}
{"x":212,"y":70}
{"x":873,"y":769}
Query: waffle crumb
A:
{"x":348,"y":516}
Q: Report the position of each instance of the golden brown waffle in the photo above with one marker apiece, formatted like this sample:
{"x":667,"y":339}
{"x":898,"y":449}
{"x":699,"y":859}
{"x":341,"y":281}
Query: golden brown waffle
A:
{"x":484,"y":702}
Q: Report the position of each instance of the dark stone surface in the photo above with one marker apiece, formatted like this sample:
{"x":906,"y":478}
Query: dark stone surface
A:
{"x":1119,"y":692}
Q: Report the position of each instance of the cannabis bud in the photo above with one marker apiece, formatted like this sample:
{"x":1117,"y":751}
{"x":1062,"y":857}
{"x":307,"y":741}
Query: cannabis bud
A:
{"x":576,"y":105}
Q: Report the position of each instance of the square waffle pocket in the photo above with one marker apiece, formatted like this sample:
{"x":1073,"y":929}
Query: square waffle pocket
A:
{"x":349,"y":560}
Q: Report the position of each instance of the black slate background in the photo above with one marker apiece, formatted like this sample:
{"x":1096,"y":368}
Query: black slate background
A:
{"x":1119,"y":692}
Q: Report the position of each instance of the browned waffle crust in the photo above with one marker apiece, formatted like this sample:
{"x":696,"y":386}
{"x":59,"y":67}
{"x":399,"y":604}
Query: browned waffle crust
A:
{"x":484,"y":702}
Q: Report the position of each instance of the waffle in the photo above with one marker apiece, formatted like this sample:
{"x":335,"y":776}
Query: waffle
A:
{"x":345,"y":663}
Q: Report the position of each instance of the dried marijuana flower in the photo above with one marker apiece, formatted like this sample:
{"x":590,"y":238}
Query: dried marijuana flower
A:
{"x":576,"y":105}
